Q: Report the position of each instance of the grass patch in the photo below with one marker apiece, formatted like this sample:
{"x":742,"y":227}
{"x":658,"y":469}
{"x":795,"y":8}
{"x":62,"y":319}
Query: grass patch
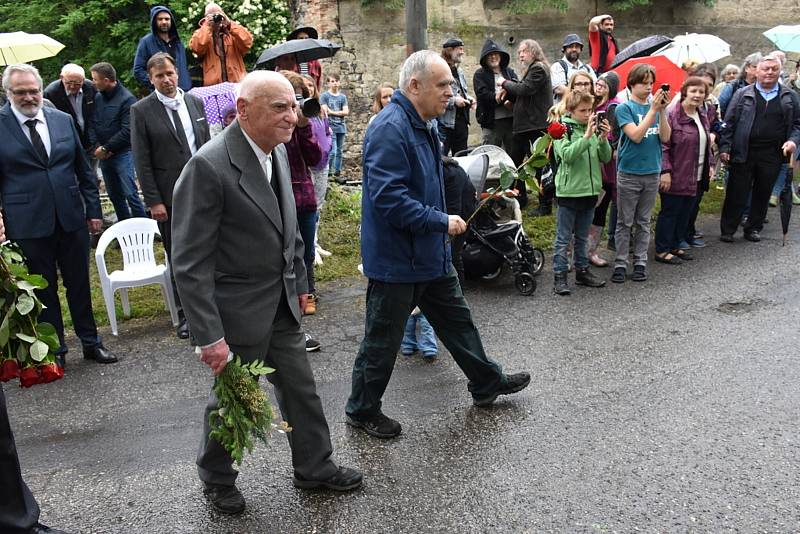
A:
{"x":338,"y":233}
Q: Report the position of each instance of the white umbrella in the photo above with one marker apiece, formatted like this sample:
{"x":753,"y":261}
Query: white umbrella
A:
{"x":702,"y":47}
{"x":21,"y":47}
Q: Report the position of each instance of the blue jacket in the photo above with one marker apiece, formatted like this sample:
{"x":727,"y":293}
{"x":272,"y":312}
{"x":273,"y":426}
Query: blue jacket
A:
{"x":112,"y":118}
{"x":36,"y":194}
{"x":152,"y":43}
{"x":741,"y":113}
{"x":404,"y":220}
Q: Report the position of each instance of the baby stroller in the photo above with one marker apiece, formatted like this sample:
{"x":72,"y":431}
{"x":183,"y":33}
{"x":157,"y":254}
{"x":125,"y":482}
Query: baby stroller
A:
{"x":495,"y":236}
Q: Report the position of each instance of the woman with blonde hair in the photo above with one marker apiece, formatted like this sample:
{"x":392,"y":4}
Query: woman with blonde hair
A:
{"x":580,"y":82}
{"x":383,"y":95}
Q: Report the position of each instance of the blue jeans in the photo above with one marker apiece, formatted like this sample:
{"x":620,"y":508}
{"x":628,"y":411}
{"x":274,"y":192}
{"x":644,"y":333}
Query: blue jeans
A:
{"x":673,"y":219}
{"x":335,"y":157}
{"x":571,"y":222}
{"x":425,"y":341}
{"x":308,"y":227}
{"x":781,"y":181}
{"x":121,"y":186}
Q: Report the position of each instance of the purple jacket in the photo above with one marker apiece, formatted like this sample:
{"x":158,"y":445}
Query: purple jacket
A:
{"x":680,"y":154}
{"x":303,"y":151}
{"x":322,"y":135}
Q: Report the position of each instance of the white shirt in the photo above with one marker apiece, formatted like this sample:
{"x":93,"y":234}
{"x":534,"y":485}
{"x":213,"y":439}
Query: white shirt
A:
{"x":41,"y":127}
{"x":76,"y":101}
{"x":179,"y":105}
{"x":701,"y":158}
{"x":263,"y":158}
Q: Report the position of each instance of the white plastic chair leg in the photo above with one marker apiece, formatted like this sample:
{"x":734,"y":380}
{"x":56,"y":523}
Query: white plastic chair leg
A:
{"x":126,"y":304}
{"x":169,"y":297}
{"x":108,"y":297}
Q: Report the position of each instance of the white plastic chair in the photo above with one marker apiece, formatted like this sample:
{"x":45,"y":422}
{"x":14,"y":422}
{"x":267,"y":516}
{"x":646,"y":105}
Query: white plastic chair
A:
{"x":136,"y":239}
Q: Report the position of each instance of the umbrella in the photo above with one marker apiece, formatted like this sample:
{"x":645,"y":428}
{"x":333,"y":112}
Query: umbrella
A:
{"x":305,"y":50}
{"x":702,"y":47}
{"x":666,"y":72}
{"x":786,"y":201}
{"x":786,"y":38}
{"x":21,"y":47}
{"x":216,"y":98}
{"x":642,"y":47}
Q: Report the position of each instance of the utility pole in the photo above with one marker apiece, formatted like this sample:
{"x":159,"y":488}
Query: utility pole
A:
{"x":416,"y":26}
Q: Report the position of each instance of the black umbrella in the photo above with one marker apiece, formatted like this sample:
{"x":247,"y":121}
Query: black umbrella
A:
{"x":641,"y":48}
{"x":304,"y":50}
{"x":786,"y":200}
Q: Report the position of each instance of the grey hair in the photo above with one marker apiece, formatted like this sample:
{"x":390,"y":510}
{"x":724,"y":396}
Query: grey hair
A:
{"x":536,"y":52}
{"x":730,"y":67}
{"x":750,"y":61}
{"x":21,"y":68}
{"x":415,"y":64}
{"x":72,"y":68}
{"x":770,"y":57}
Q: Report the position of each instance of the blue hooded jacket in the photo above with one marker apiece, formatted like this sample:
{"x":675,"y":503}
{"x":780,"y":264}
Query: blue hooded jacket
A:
{"x":403,"y":216}
{"x":152,"y":43}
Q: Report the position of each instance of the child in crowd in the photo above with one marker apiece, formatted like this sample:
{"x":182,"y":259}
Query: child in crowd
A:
{"x":643,"y":125}
{"x":424,"y":341}
{"x":578,"y":184}
{"x":335,"y":105}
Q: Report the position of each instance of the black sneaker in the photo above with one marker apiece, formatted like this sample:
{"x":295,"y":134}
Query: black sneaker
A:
{"x":639,"y":273}
{"x":226,"y":499}
{"x":378,"y":425}
{"x":514,"y":383}
{"x":585,"y":277}
{"x":312,"y":345}
{"x":753,"y":236}
{"x":726,"y":238}
{"x":619,"y":275}
{"x":560,"y":286}
{"x":344,"y":479}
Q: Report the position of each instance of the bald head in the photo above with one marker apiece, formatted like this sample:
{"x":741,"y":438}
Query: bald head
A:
{"x":267,"y":108}
{"x":213,"y":7}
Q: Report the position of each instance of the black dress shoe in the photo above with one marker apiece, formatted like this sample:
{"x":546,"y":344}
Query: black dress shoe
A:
{"x":753,"y":236}
{"x":39,"y":528}
{"x":182,"y":330}
{"x":225,"y":499}
{"x":99,"y":353}
{"x":726,"y":238}
{"x":344,"y":479}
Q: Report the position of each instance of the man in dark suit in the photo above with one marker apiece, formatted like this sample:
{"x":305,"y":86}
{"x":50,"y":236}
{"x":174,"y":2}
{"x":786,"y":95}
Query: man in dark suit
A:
{"x":238,"y":259}
{"x":73,"y":94}
{"x":49,"y":195}
{"x":167,"y":128}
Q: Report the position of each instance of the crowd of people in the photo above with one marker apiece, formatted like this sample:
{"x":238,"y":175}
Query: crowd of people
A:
{"x":239,"y":212}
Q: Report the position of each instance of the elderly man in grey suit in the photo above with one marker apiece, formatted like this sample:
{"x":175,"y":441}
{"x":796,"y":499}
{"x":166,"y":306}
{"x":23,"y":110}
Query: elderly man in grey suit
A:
{"x":238,"y":260}
{"x":167,"y":128}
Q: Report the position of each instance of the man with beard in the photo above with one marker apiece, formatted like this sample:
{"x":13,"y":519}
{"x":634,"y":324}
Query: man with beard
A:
{"x":563,"y":69}
{"x":454,"y":122}
{"x":163,"y":37}
{"x":603,"y":46}
{"x":50,"y":196}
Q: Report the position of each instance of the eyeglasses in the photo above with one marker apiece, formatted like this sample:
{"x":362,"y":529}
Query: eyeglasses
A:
{"x":25,"y":92}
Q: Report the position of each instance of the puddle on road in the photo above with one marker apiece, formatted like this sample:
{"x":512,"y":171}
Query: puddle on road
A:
{"x":740,"y":306}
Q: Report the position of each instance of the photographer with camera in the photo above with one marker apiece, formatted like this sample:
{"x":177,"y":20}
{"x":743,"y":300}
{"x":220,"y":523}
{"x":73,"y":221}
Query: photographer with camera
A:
{"x":221,"y":45}
{"x":454,"y":122}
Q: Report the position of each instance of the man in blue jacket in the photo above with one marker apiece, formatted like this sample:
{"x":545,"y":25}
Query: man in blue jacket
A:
{"x":404,"y":244}
{"x":112,"y":129}
{"x":163,"y":37}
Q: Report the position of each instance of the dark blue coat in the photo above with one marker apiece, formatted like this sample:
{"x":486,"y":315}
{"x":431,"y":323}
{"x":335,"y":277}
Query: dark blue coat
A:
{"x":404,"y":221}
{"x":35,"y":194}
{"x":112,"y":118}
{"x":152,"y":43}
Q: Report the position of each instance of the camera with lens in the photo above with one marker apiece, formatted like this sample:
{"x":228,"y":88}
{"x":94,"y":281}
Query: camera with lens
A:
{"x":217,"y":18}
{"x":309,"y":106}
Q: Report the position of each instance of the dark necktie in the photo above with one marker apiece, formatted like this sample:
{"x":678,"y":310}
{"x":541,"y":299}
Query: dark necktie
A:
{"x":36,"y":141}
{"x":181,"y":134}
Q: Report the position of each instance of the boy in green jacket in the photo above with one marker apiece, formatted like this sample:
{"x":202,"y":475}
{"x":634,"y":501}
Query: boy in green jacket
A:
{"x":578,"y":183}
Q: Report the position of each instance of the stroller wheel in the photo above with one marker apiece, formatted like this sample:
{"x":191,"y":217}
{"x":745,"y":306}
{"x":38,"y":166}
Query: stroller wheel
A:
{"x":494,"y":275}
{"x":525,"y":283}
{"x":538,"y":261}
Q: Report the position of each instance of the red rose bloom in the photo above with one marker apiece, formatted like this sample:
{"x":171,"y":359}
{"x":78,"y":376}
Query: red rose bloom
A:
{"x":9,"y":370}
{"x":29,"y":377}
{"x":50,"y":372}
{"x":556,"y":130}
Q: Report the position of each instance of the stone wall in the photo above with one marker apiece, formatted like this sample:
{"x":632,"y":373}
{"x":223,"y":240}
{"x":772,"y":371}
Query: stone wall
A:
{"x":374,"y":40}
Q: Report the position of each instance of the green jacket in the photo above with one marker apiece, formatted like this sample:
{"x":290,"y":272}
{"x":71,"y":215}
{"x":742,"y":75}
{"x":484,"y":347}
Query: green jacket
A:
{"x":579,"y":162}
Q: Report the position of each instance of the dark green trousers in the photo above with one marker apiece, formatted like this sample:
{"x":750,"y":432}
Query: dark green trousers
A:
{"x":388,"y":308}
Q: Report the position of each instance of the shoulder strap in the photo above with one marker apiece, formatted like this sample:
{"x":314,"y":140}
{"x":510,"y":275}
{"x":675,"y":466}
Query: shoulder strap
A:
{"x":565,"y":67}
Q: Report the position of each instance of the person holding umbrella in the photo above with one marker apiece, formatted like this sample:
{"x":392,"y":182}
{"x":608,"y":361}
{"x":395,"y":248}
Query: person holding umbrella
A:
{"x":221,"y":45}
{"x":312,"y":67}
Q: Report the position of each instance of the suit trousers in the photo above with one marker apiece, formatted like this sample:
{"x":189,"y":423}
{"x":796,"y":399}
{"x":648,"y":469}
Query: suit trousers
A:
{"x":388,"y":308}
{"x":283,"y":349}
{"x":756,"y":176}
{"x":67,"y":253}
{"x":166,"y":237}
{"x":18,"y":509}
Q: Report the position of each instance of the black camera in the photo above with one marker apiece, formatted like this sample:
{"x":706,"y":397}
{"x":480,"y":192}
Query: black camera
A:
{"x":217,"y":18}
{"x":309,"y":106}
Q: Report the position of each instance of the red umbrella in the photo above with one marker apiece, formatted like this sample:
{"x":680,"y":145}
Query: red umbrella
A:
{"x":666,"y":72}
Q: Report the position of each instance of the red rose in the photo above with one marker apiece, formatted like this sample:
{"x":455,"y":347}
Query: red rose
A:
{"x":29,"y":377}
{"x":556,"y":130}
{"x":50,"y":372}
{"x":9,"y":370}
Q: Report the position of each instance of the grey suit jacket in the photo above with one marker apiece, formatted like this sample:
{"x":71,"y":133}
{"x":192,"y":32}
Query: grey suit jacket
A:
{"x":158,"y":155}
{"x":234,"y":252}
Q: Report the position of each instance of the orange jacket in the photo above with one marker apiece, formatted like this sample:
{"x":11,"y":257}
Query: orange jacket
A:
{"x":237,"y":42}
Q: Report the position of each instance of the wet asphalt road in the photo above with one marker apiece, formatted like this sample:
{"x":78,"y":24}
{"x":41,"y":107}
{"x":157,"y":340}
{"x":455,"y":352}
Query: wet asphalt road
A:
{"x":668,"y":406}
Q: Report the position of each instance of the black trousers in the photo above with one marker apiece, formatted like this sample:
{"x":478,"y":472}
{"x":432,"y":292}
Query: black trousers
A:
{"x":757,"y":176}
{"x":521,"y":149}
{"x":455,"y":138}
{"x":18,"y":509}
{"x":67,"y":253}
{"x":166,"y":237}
